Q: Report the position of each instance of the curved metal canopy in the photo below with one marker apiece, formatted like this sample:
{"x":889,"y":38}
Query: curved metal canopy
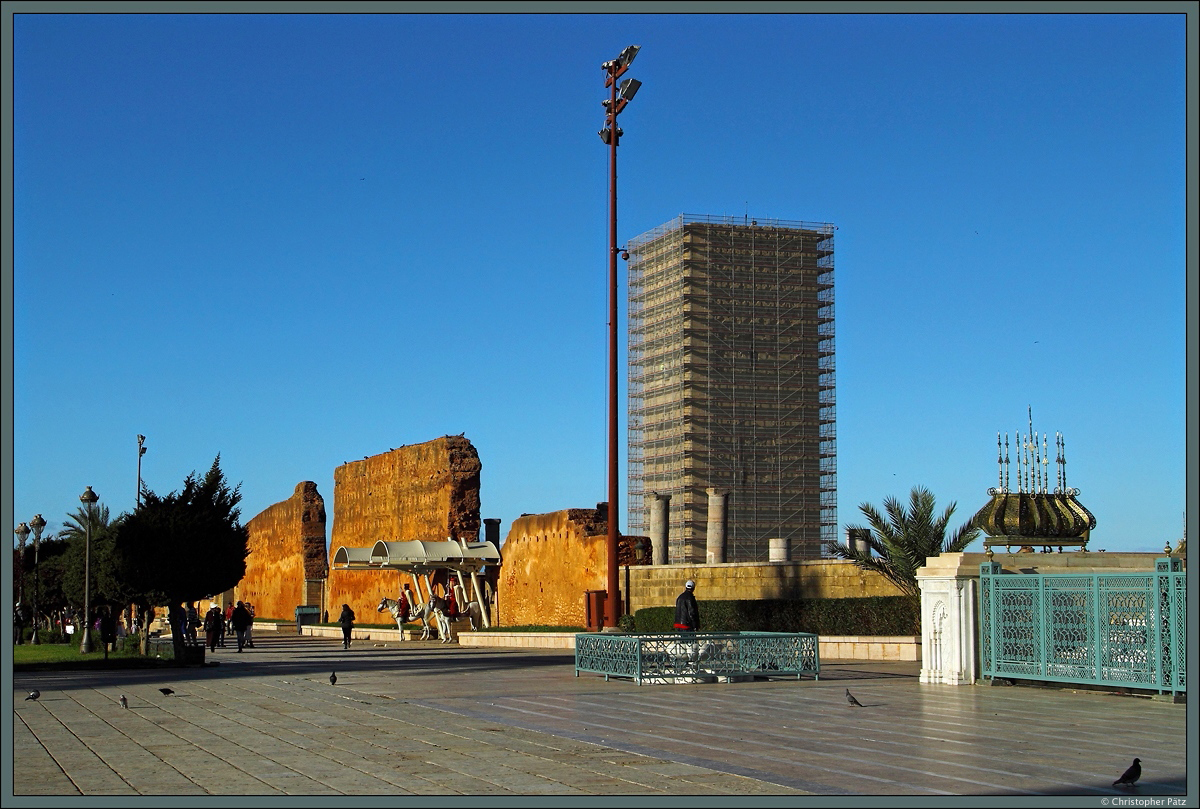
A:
{"x":418,"y":556}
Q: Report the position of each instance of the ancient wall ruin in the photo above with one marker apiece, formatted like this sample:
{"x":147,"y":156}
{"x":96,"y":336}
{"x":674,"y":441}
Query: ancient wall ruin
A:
{"x":658,"y":585}
{"x":424,"y":491}
{"x":287,"y":549}
{"x":551,"y":560}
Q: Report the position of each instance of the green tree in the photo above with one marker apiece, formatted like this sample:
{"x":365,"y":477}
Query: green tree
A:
{"x":185,"y":545}
{"x":900,"y":542}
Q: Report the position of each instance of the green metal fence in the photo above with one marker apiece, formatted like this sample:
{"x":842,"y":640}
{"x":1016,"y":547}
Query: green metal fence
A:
{"x":697,"y":656}
{"x":1118,"y":629}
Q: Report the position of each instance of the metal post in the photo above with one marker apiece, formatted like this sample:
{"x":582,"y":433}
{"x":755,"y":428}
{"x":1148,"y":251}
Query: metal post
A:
{"x":612,"y":603}
{"x":141,"y":452}
{"x":610,"y":135}
{"x":37,"y":524}
{"x":88,"y":498}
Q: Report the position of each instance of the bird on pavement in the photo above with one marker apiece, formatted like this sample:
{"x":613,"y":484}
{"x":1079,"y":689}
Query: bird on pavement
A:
{"x":167,"y":692}
{"x":333,"y":678}
{"x":850,"y":698}
{"x":33,"y":695}
{"x":1130,"y":776}
{"x":124,"y":702}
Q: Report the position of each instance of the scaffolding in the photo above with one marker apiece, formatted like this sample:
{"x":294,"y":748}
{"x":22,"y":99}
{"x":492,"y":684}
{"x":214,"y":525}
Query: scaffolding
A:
{"x":731,"y":382}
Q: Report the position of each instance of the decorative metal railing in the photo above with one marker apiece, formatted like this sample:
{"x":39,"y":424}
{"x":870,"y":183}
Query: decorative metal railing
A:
{"x":697,"y":656}
{"x":1119,"y":629}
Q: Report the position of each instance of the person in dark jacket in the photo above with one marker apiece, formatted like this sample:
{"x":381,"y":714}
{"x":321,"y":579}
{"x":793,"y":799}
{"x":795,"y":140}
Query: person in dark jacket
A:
{"x":346,"y":619}
{"x":241,"y":621}
{"x":214,"y":623}
{"x":687,"y":612}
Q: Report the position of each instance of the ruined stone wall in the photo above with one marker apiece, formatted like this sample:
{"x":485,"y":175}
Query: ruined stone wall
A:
{"x":550,"y":560}
{"x":287,"y":547}
{"x":659,"y":585}
{"x":424,"y":491}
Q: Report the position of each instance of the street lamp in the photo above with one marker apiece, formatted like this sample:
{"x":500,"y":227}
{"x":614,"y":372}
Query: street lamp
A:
{"x":22,"y":532}
{"x":619,"y":96}
{"x":141,"y":452}
{"x":89,"y":499}
{"x":37,"y":524}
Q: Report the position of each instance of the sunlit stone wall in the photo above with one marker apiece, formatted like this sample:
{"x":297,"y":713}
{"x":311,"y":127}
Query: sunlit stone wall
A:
{"x":424,"y":491}
{"x":287,"y":548}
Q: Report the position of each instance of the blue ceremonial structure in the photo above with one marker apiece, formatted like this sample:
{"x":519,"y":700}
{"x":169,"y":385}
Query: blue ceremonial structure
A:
{"x":1119,"y":629}
{"x":697,"y":656}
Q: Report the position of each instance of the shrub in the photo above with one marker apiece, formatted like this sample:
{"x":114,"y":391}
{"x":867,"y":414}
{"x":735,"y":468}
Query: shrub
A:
{"x":876,"y":615}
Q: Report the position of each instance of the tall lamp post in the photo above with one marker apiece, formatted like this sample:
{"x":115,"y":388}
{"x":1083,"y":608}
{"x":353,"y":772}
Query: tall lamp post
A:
{"x":141,"y":452}
{"x":37,"y":524}
{"x":22,"y":532}
{"x":619,"y":96}
{"x":88,"y":499}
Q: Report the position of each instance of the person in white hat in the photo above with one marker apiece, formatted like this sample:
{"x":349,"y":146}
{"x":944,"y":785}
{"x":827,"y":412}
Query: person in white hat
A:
{"x":687,"y":612}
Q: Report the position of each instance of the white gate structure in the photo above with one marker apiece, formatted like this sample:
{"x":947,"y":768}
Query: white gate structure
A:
{"x":420,"y":558}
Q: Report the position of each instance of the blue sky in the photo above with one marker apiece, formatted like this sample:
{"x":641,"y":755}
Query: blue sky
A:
{"x":300,"y":240}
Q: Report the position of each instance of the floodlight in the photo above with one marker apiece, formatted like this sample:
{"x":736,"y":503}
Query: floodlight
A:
{"x":628,"y":55}
{"x":628,"y":89}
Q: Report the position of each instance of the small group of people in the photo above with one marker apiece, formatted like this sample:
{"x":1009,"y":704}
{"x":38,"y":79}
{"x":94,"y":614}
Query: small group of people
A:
{"x":214,"y":628}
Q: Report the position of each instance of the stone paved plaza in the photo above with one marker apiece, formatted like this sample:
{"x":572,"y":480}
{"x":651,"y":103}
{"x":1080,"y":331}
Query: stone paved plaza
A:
{"x":419,"y":718}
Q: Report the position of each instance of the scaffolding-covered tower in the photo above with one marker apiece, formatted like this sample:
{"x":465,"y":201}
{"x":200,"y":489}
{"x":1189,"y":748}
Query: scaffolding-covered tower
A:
{"x":731,"y":383}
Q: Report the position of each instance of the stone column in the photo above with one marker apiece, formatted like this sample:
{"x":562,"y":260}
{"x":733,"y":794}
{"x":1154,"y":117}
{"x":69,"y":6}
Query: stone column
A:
{"x":779,"y":549}
{"x":718,"y":521}
{"x":660,"y":520}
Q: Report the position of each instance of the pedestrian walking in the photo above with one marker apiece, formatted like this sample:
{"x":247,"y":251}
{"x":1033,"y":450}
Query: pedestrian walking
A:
{"x":108,"y":629}
{"x":214,"y":621}
{"x":193,"y":623}
{"x":687,"y":612}
{"x":346,"y":619}
{"x":241,"y":623}
{"x":250,"y":629}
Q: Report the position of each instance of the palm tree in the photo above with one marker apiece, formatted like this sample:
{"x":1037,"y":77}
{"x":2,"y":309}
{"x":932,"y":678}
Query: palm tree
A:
{"x":76,"y":524}
{"x":898,"y":544}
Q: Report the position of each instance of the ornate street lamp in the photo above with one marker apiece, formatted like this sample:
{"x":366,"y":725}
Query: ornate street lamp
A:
{"x":37,"y":524}
{"x":141,"y":452}
{"x":89,"y":499}
{"x":22,"y":532}
{"x":619,"y":96}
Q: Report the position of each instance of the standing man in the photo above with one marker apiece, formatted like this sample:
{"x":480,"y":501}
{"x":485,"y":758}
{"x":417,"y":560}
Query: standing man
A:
{"x":687,"y":612}
{"x":241,"y":622}
{"x":214,"y":622}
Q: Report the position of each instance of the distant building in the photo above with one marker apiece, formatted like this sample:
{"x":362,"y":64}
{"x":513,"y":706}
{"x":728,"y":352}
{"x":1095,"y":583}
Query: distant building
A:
{"x":731,"y":383}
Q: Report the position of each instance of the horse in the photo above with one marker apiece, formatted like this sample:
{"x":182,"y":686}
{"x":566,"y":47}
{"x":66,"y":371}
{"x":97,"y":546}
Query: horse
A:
{"x":432,"y":613}
{"x":393,"y":606}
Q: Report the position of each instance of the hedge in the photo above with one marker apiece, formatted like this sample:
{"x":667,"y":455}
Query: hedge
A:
{"x":876,"y":615}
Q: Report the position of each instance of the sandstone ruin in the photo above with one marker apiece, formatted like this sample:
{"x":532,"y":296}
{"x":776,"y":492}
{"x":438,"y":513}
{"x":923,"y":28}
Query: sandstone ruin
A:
{"x":551,"y":560}
{"x":287,"y":563}
{"x":424,"y":491}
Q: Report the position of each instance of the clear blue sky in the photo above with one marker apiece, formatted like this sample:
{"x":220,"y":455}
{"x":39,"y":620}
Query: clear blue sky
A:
{"x":301,"y":240}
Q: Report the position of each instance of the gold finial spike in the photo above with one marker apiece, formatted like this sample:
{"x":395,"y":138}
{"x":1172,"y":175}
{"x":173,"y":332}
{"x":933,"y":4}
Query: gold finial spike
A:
{"x":1045,"y":464}
{"x":1006,"y":462}
{"x":999,"y":464}
{"x":1167,"y":549}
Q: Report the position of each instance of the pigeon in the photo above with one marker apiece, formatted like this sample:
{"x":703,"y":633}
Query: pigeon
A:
{"x":333,"y":678}
{"x":850,"y":698}
{"x":33,"y":695}
{"x":167,"y":692}
{"x":124,"y":702}
{"x":1130,"y":776}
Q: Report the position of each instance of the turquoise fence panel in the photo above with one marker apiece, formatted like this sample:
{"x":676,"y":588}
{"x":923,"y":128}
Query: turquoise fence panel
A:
{"x":697,"y":656}
{"x":1120,"y":629}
